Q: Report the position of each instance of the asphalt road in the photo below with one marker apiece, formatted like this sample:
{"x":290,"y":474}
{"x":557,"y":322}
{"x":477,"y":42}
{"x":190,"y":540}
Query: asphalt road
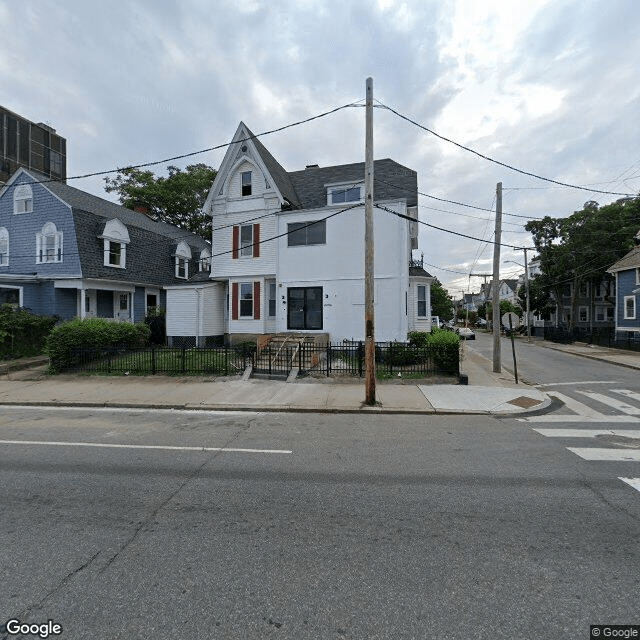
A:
{"x":313,"y":526}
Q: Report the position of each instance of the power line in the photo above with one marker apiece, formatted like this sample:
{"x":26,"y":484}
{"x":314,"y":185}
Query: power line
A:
{"x":201,"y":151}
{"x":502,"y":164}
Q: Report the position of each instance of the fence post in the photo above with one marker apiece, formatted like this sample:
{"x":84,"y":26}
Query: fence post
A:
{"x":360,"y":358}
{"x":300,"y":347}
{"x":184,"y":351}
{"x":153,"y":360}
{"x":269,"y":347}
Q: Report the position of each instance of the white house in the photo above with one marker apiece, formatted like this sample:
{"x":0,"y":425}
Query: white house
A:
{"x":288,"y":252}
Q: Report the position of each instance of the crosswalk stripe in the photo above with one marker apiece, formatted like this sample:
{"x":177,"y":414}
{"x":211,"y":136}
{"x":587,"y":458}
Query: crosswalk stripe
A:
{"x":551,"y":417}
{"x":575,"y":406}
{"x":613,"y":455}
{"x":627,"y":393}
{"x":632,"y":482}
{"x":587,"y":433}
{"x":612,"y":402}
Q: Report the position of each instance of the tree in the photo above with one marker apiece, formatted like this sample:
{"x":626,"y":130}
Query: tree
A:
{"x":580,"y":248}
{"x":441,"y":302}
{"x":176,"y":199}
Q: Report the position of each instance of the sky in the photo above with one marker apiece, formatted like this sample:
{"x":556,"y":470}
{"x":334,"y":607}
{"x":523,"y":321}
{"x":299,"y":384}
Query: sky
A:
{"x":548,"y":87}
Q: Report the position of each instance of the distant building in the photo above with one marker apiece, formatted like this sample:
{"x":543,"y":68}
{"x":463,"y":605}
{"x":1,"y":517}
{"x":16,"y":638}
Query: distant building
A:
{"x":33,"y":146}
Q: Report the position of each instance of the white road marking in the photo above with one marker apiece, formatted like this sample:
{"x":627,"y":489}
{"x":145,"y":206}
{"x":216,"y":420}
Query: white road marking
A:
{"x":587,"y":433}
{"x":560,"y":384}
{"x":627,"y":393}
{"x":618,"y":405}
{"x":614,"y":455}
{"x":140,"y":446}
{"x":632,"y":482}
{"x":582,"y":413}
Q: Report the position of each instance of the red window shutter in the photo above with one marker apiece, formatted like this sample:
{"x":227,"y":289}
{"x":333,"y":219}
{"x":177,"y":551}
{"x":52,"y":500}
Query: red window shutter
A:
{"x":256,"y":240}
{"x":235,"y":242}
{"x":234,"y":301}
{"x":256,"y":301}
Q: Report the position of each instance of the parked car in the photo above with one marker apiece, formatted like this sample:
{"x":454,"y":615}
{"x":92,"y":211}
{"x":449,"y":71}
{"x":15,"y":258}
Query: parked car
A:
{"x":466,"y":333}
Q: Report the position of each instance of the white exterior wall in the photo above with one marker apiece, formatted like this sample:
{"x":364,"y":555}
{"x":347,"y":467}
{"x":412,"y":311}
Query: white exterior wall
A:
{"x":338,"y":267}
{"x":195,"y":311}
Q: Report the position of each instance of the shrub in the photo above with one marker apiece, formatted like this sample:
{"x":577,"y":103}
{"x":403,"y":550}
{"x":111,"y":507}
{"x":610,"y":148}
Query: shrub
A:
{"x":22,"y":333}
{"x":444,"y":348}
{"x":157,"y":322}
{"x":65,"y":342}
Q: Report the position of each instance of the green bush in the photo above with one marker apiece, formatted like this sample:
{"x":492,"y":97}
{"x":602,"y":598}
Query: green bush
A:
{"x":65,"y":341}
{"x":22,"y":334}
{"x":444,"y":348}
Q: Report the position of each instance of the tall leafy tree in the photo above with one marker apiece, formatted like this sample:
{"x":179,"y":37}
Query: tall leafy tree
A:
{"x":441,"y":302}
{"x":176,"y":199}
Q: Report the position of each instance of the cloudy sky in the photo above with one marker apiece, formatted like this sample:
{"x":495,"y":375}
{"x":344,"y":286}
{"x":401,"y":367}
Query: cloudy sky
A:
{"x":551,"y":87}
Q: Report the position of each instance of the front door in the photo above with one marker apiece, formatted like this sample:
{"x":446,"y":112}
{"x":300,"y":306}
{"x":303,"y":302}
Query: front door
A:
{"x":122,"y":304}
{"x":304,"y":308}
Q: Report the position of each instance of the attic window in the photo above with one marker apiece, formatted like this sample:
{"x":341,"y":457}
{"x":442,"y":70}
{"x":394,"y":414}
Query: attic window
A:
{"x":182,"y":257}
{"x":23,"y":199}
{"x":246,"y":183}
{"x":116,"y":238}
{"x":345,"y":194}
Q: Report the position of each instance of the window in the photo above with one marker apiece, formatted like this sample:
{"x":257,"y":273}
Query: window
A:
{"x":246,"y":183}
{"x":584,"y":289}
{"x":629,"y":307}
{"x":345,"y":194}
{"x":152,"y":302}
{"x":49,"y":244}
{"x":272,"y":299}
{"x":305,"y":233}
{"x":205,"y":260}
{"x":600,"y":314}
{"x":598,"y":291}
{"x":422,"y":301}
{"x":10,"y":295}
{"x":182,"y":257}
{"x":246,"y":239}
{"x":246,"y":300}
{"x":4,"y":247}
{"x":124,"y":301}
{"x":583,"y":314}
{"x":115,"y":237}
{"x":23,"y":199}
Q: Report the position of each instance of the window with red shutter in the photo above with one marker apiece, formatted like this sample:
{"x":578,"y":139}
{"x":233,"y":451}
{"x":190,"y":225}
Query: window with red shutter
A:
{"x":256,"y":301}
{"x":234,"y":301}
{"x":235,"y":242}
{"x":256,"y":240}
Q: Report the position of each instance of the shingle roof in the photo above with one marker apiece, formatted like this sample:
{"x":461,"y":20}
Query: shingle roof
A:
{"x":391,"y":181}
{"x":419,"y":271}
{"x":152,"y":244}
{"x":629,"y":261}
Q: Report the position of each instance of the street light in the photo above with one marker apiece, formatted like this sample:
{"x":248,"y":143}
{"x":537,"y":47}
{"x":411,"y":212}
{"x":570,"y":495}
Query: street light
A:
{"x":526,"y":284}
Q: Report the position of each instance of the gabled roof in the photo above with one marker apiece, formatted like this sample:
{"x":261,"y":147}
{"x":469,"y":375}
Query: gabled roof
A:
{"x":629,"y":261}
{"x":419,"y":271}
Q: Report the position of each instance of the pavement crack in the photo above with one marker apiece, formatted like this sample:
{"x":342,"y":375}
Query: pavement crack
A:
{"x":63,"y":582}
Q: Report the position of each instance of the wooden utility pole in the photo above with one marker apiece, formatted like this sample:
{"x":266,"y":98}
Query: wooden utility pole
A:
{"x":497,"y":367}
{"x":526,"y":286}
{"x":369,"y":327}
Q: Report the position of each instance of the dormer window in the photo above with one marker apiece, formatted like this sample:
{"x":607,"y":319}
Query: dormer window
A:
{"x":205,"y":260}
{"x":182,"y":256}
{"x":49,"y":244}
{"x":23,"y":199}
{"x":116,"y":239}
{"x":246,"y":183}
{"x":339,"y":194}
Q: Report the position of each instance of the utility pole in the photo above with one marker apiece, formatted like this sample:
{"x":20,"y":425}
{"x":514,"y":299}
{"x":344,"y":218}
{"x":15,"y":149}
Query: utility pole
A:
{"x":369,"y":330}
{"x":497,"y":368}
{"x":526,"y":285}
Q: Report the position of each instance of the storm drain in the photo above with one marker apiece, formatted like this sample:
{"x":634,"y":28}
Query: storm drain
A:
{"x":524,"y":402}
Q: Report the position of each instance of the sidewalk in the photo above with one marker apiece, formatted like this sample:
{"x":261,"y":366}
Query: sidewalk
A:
{"x":620,"y":357}
{"x":486,"y":393}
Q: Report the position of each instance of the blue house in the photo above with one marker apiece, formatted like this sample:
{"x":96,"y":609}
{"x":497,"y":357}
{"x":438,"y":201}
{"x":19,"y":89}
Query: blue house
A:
{"x":627,"y":274}
{"x":66,"y":252}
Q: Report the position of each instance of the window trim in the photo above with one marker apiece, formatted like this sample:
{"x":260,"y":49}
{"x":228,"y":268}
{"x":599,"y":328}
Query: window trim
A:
{"x":246,"y":248}
{"x":246,"y":187}
{"x":4,"y":255}
{"x":23,"y":194}
{"x":582,"y":308}
{"x":41,"y":248}
{"x":305,"y":226}
{"x":271,"y":289}
{"x":250,"y":287}
{"x":419,"y":301}
{"x":628,"y":299}
{"x":345,"y":188}
{"x":182,"y":257}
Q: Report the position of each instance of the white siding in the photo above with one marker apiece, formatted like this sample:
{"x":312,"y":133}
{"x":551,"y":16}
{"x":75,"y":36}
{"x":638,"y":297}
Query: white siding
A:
{"x":181,"y":312}
{"x":257,"y":181}
{"x":213,"y":299}
{"x":195,"y":311}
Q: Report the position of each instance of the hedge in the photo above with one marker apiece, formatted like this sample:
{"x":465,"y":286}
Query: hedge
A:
{"x":22,"y":334}
{"x":443,"y":346}
{"x":65,"y":341}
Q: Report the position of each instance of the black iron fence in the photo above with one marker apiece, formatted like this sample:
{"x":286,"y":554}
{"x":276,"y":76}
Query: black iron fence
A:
{"x":392,"y":358}
{"x":601,"y":337}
